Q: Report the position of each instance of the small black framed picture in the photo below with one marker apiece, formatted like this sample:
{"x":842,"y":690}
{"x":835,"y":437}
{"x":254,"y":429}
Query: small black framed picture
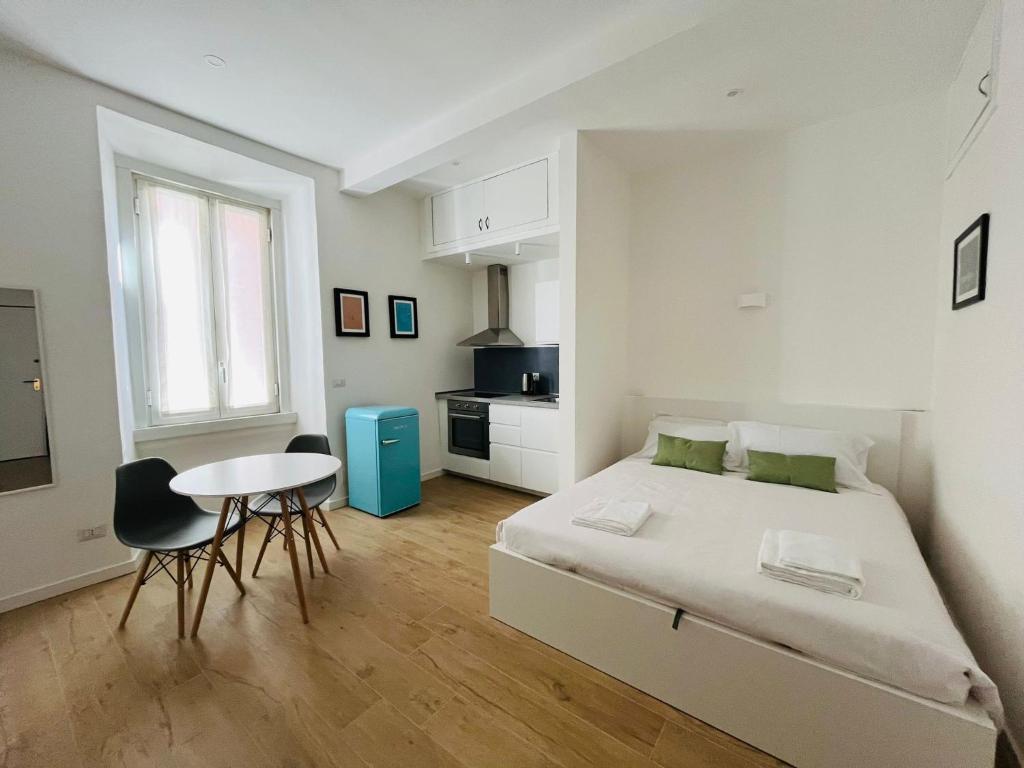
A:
{"x":970,"y":257}
{"x":351,"y":312}
{"x":403,"y":317}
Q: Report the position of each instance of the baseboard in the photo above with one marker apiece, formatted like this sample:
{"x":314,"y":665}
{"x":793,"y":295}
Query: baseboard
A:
{"x":342,"y":501}
{"x":67,"y":585}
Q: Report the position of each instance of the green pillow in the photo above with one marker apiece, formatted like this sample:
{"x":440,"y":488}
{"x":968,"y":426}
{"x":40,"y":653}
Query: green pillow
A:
{"x":699,"y":455}
{"x":815,"y":472}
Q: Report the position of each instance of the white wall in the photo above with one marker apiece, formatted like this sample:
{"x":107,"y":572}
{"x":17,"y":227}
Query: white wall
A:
{"x":52,"y":238}
{"x":837,"y":222}
{"x":568,"y":187}
{"x":977,"y":544}
{"x":372,"y":244}
{"x":522,"y":285}
{"x":601,"y":302}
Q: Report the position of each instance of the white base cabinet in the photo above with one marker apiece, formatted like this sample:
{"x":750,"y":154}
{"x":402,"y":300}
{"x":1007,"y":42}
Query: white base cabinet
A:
{"x":539,"y":470}
{"x":524,"y":447}
{"x":506,"y":464}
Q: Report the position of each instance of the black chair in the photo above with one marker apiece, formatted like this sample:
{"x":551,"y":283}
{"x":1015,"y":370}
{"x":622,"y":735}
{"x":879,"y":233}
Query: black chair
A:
{"x":268,"y":509}
{"x":149,"y":516}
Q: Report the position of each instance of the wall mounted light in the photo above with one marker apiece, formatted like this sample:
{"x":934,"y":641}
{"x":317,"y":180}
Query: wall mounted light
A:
{"x":752,"y":300}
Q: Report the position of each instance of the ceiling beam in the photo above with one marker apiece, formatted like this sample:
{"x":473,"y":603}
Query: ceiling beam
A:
{"x":470,"y":126}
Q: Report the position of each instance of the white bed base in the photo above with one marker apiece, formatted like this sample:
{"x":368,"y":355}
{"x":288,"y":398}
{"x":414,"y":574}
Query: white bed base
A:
{"x":805,"y":712}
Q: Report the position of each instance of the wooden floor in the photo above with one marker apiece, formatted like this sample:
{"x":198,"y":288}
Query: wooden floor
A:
{"x":400,"y":665}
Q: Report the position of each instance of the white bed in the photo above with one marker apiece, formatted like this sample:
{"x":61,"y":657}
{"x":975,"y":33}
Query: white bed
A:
{"x":825,"y":681}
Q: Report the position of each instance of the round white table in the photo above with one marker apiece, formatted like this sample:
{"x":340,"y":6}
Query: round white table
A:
{"x":238,"y":480}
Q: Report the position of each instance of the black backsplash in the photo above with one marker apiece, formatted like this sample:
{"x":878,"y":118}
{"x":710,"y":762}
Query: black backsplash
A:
{"x":501,"y":369}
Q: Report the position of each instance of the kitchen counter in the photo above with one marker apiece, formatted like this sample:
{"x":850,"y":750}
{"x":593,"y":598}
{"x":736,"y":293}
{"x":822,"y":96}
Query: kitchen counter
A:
{"x":530,"y":401}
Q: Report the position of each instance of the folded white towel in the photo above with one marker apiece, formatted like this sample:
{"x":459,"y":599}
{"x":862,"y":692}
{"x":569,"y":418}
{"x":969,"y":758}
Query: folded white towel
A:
{"x":810,"y":560}
{"x":623,"y":518}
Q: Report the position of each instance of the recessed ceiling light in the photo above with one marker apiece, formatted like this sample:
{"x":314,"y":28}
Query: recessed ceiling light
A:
{"x":734,"y":93}
{"x":214,"y":60}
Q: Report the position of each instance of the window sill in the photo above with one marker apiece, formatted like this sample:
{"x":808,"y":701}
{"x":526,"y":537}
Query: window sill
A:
{"x":169,"y":431}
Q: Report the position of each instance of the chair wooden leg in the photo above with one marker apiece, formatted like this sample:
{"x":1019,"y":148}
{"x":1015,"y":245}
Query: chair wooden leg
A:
{"x":307,"y":515}
{"x":180,"y":584}
{"x":188,"y":568}
{"x":140,"y":576}
{"x":240,"y":546}
{"x":263,"y":548}
{"x":211,"y":564}
{"x":327,"y":527}
{"x":231,"y":571}
{"x":309,"y":545}
{"x":289,"y":536}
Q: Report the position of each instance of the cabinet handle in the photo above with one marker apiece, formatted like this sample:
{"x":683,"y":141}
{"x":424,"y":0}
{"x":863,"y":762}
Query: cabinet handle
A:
{"x":392,"y":441}
{"x":487,"y":222}
{"x":480,"y":224}
{"x":981,"y":83}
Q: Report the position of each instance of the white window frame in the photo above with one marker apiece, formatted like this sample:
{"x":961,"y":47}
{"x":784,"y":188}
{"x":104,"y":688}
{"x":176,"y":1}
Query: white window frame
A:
{"x":149,"y":424}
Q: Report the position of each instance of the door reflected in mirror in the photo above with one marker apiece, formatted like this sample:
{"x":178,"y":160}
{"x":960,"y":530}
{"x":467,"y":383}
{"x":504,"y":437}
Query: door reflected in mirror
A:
{"x":24,"y":429}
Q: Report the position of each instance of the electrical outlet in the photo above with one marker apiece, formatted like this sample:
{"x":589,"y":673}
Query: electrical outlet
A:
{"x":338,"y":383}
{"x":87,"y":534}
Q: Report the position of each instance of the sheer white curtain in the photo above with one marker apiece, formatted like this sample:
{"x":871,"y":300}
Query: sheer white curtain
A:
{"x":246,"y":295}
{"x":208,"y":303}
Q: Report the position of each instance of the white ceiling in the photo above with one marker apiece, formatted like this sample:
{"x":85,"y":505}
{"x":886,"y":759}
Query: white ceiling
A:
{"x":390,"y":90}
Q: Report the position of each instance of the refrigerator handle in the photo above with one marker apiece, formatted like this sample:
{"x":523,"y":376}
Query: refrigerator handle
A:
{"x":390,"y":442}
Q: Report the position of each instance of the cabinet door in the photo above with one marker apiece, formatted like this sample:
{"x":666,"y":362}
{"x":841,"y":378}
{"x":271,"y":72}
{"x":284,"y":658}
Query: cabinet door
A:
{"x":504,"y":434}
{"x":457,"y":213}
{"x":399,"y":462}
{"x":517,"y":197}
{"x":539,"y":470}
{"x":506,"y":465}
{"x":539,"y":429}
{"x":505,"y":414}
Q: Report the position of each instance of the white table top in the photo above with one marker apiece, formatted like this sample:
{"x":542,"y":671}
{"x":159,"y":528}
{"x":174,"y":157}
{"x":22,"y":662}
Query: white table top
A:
{"x":253,"y":475}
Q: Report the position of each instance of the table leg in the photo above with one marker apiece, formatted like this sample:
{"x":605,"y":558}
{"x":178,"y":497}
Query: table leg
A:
{"x":211,"y":565}
{"x":311,"y":524}
{"x":244,"y":512}
{"x":290,"y":543}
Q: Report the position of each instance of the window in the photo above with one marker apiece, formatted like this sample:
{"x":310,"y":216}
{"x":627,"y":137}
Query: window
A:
{"x":204,"y":270}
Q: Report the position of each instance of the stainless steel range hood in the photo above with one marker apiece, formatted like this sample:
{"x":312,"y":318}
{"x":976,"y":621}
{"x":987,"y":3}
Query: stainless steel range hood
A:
{"x":497,"y":333}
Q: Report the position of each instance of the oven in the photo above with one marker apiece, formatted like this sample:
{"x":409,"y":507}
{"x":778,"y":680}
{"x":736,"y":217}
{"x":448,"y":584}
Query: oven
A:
{"x":468,"y":429}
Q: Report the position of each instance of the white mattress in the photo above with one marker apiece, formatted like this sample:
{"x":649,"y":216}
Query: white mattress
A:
{"x":698,"y":552}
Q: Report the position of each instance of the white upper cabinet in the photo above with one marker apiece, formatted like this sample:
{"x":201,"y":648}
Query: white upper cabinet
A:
{"x":516,"y":204}
{"x":516,"y":198}
{"x":456,"y":214}
{"x":971,"y":97}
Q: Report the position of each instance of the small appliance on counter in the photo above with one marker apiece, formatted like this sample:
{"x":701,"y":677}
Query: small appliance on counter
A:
{"x":383,"y":447}
{"x":531,"y":380}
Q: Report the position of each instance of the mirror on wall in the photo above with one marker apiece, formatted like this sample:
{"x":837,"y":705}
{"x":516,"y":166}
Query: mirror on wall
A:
{"x":24,"y":430}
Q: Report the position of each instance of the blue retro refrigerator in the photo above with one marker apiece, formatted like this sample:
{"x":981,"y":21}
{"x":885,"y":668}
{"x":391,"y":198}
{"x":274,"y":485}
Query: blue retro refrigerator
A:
{"x":383,"y":445}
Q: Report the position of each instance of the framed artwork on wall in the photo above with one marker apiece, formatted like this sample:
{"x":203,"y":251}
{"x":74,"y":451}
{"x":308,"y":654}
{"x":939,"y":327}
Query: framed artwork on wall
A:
{"x":351,"y":312}
{"x":403,"y":317}
{"x":970,"y":257}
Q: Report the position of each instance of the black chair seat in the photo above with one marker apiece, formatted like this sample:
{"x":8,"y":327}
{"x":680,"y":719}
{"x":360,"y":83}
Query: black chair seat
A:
{"x":191,"y":530}
{"x":149,"y":515}
{"x":167,"y":527}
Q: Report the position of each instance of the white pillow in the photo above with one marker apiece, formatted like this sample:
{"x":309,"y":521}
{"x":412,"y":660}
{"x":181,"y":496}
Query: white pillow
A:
{"x":682,"y":426}
{"x":850,"y":450}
